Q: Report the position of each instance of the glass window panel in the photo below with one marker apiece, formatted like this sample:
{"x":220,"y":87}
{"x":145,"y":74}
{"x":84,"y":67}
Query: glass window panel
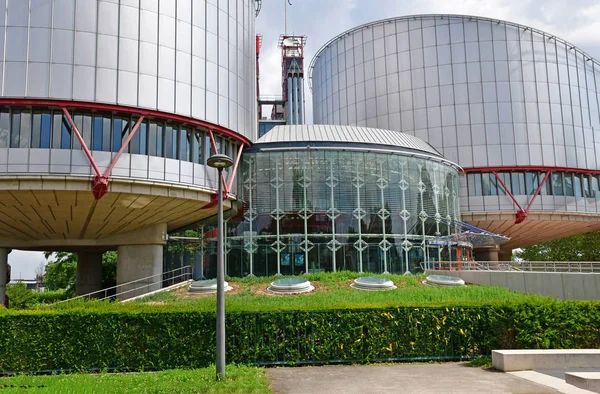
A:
{"x":35,"y":130}
{"x":97,"y":138}
{"x":15,"y":130}
{"x":587,"y":187}
{"x":4,"y":129}
{"x":65,"y":134}
{"x":106,"y":134}
{"x":160,"y":145}
{"x":169,"y":148}
{"x":46,"y":130}
{"x":185,"y":145}
{"x":25,"y":134}
{"x":143,"y":135}
{"x":152,"y":139}
{"x":557,"y":184}
{"x":493,"y":184}
{"x":117,"y":134}
{"x":485,"y":185}
{"x":532,"y":182}
{"x":577,"y":185}
{"x":596,"y":191}
{"x":517,"y":183}
{"x":86,"y":131}
{"x":474,"y":184}
{"x":569,"y":185}
{"x":134,"y":144}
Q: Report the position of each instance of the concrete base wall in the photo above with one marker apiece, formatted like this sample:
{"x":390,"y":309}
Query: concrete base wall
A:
{"x":522,"y":360}
{"x":564,"y":286}
{"x":3,"y":273}
{"x":135,"y":262}
{"x":89,"y":272}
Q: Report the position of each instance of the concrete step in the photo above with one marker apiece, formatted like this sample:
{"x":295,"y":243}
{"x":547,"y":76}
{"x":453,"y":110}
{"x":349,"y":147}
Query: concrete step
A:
{"x":521,"y":360}
{"x":584,"y":380}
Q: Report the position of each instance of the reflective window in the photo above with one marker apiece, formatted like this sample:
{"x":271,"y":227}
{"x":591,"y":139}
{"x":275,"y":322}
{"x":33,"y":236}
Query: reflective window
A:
{"x":4,"y":129}
{"x":49,"y":128}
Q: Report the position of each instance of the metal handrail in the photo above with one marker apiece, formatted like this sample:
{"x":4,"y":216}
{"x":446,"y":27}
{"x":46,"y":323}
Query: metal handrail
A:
{"x":185,"y":273}
{"x":523,"y":266}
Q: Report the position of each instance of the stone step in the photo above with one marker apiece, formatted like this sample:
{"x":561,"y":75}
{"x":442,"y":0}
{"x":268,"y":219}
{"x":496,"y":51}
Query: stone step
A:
{"x":521,"y":360}
{"x":584,"y":380}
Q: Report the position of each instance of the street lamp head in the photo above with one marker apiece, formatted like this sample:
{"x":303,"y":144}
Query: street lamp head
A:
{"x":219,"y":161}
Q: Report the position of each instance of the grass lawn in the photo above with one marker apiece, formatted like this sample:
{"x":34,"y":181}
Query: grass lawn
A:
{"x":332,"y":292}
{"x":238,"y":380}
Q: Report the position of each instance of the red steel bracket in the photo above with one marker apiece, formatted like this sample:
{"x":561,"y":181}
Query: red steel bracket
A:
{"x":521,"y":214}
{"x":215,"y":151}
{"x":235,"y":167}
{"x":100,"y":182}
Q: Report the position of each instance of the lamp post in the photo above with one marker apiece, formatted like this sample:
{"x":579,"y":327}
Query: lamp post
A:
{"x":220,"y":161}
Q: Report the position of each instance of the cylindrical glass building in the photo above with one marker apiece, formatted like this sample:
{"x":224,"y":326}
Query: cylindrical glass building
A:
{"x":327,"y":198}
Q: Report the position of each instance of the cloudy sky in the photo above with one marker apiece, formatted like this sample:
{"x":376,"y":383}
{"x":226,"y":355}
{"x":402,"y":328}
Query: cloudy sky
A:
{"x":577,"y":21}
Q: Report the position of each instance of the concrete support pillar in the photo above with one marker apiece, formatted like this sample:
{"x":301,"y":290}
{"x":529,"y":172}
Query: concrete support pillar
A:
{"x":3,"y":273}
{"x":504,"y":254}
{"x":136,"y":262}
{"x":486,"y":253}
{"x":89,"y":272}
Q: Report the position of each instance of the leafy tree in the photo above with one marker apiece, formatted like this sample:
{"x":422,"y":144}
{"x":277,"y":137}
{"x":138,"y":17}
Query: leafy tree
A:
{"x":19,"y":295}
{"x":580,"y":247}
{"x":62,"y":267}
{"x":60,"y":271}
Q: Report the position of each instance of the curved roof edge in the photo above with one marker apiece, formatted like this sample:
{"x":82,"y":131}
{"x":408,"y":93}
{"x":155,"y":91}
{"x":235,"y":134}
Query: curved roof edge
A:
{"x":421,"y":16}
{"x":291,"y":136}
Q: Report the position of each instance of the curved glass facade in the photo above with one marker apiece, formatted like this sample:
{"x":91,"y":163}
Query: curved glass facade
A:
{"x":327,"y":210}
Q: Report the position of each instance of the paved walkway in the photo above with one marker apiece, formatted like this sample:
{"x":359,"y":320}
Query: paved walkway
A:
{"x":398,"y":378}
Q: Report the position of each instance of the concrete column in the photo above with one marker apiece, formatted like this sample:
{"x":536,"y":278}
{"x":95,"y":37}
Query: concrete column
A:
{"x":3,"y":273}
{"x":136,"y":262}
{"x":504,"y":254}
{"x":486,"y":253}
{"x":89,"y":272}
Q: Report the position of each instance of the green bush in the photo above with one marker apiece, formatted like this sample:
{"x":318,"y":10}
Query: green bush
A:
{"x":50,"y":296}
{"x":20,"y":297}
{"x":142,"y":337}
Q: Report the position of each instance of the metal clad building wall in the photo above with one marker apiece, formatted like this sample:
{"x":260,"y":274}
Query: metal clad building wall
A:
{"x":483,"y":92}
{"x":190,"y":57}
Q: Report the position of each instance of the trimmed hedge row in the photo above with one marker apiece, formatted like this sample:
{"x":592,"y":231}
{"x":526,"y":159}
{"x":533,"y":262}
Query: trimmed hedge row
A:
{"x":150,"y":340}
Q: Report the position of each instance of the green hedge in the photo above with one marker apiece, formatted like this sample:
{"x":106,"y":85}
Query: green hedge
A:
{"x":184,"y":338}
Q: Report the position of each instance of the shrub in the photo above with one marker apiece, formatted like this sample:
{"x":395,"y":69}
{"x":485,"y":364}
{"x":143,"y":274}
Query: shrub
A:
{"x":142,"y":337}
{"x":20,"y":297}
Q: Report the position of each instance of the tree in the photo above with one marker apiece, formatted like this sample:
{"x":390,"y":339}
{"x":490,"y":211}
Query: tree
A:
{"x":60,"y":271}
{"x":581,"y":247}
{"x":20,"y":296}
{"x":62,"y":267}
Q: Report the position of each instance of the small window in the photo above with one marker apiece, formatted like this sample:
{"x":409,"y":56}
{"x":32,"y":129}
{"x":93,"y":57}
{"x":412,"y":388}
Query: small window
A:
{"x":517,"y":183}
{"x":557,"y":184}
{"x":15,"y":130}
{"x":569,"y":185}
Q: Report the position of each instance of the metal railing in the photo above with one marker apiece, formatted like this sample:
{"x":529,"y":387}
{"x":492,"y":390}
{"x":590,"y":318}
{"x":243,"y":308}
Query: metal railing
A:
{"x":527,"y":266}
{"x":140,"y":286}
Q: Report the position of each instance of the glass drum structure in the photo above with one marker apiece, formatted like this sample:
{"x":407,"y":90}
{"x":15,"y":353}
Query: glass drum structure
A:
{"x":312,"y":203}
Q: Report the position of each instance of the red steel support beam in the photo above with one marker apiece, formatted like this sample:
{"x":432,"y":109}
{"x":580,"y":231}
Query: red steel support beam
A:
{"x":235,"y":167}
{"x":521,"y":214}
{"x":537,"y":192}
{"x":82,"y":142}
{"x":100,"y":183}
{"x":215,"y":151}
{"x":507,"y":190}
